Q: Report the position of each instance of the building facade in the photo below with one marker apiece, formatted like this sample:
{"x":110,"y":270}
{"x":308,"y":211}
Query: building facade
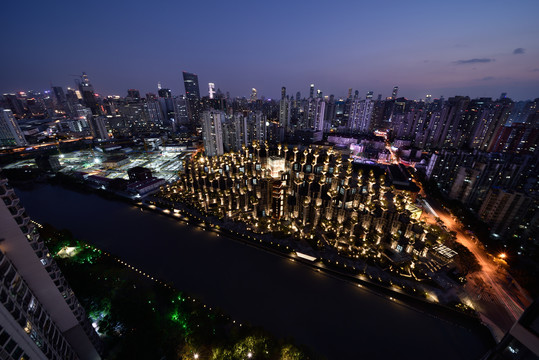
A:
{"x":40,"y":316}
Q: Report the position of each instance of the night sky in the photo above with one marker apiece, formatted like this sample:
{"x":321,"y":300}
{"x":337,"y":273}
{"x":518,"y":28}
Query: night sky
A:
{"x":475,"y":48}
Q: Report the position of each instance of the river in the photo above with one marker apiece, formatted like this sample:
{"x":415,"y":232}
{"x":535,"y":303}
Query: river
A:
{"x":333,"y":317}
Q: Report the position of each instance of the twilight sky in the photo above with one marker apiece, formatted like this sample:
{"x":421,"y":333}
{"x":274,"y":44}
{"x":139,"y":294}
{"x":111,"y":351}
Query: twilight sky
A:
{"x":471,"y":47}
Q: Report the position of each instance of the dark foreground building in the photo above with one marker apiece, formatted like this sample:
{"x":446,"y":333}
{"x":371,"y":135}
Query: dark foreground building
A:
{"x":40,"y":317}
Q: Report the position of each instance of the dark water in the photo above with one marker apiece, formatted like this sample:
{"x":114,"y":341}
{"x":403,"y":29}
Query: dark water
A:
{"x":333,"y":317}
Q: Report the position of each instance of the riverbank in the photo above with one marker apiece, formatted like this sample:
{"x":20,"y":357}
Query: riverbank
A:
{"x":139,"y":316}
{"x":354,"y":276}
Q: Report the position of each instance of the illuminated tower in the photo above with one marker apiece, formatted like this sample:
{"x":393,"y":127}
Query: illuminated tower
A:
{"x":311,"y":91}
{"x":395,"y":92}
{"x":88,"y":95}
{"x":211,"y":90}
{"x":40,"y":317}
{"x":253,"y":94}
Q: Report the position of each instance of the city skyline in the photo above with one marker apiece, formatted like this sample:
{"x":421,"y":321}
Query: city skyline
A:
{"x":419,"y":48}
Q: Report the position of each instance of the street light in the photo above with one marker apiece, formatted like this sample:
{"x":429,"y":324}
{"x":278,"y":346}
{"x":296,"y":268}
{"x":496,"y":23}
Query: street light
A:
{"x":249,"y":354}
{"x":196,"y":356}
{"x":502,"y":255}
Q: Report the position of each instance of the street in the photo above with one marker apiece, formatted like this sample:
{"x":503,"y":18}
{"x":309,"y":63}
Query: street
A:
{"x":492,"y":291}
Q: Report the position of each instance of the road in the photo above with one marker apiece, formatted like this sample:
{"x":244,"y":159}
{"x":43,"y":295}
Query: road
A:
{"x":492,"y":291}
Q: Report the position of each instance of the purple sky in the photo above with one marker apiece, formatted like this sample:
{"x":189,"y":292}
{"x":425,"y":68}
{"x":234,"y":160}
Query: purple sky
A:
{"x":475,"y":48}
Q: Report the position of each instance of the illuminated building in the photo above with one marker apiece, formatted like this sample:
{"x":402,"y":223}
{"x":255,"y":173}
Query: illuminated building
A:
{"x":211,"y":90}
{"x":10,"y":132}
{"x":40,"y":317}
{"x":253,"y":94}
{"x":309,"y":191}
{"x":395,"y":92}
{"x":88,"y":95}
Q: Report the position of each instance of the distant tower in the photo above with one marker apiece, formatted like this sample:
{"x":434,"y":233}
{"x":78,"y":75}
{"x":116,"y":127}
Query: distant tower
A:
{"x":211,"y":90}
{"x":192,"y":94}
{"x":298,"y":96}
{"x":395,"y":92}
{"x":356,"y":94}
{"x":10,"y":132}
{"x":88,"y":95}
{"x":319,"y":93}
{"x":370,"y":94}
{"x":253,"y":94}
{"x":503,"y":96}
{"x":349,"y":93}
{"x":428,"y":98}
{"x":159,"y":85}
{"x":133,"y":94}
{"x":311,"y":91}
{"x":190,"y":81}
{"x":284,"y":110}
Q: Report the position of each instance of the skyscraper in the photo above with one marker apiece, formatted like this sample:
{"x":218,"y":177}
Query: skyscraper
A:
{"x":311,"y":91}
{"x":192,"y":94}
{"x":40,"y":316}
{"x":284,"y":110}
{"x":211,"y":90}
{"x":395,"y":92}
{"x":253,"y":94}
{"x":10,"y":132}
{"x":192,"y":91}
{"x":88,"y":94}
{"x":212,"y":132}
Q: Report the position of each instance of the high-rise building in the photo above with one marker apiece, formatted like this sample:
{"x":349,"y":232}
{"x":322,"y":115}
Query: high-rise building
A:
{"x":10,"y":132}
{"x":504,"y":210}
{"x":395,"y":92}
{"x":360,"y":115}
{"x":98,"y":127}
{"x":88,"y":95}
{"x":284,"y":110}
{"x":211,"y":90}
{"x":40,"y":317}
{"x":192,"y":94}
{"x":59,"y":97}
{"x":311,"y":91}
{"x":15,"y":104}
{"x":212,"y":133}
{"x":192,"y":91}
{"x":181,"y":111}
{"x":253,"y":94}
{"x":133,"y":95}
{"x":370,"y":94}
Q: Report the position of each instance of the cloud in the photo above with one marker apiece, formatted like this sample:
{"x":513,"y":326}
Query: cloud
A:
{"x":486,"y":78}
{"x":473,"y":61}
{"x":518,"y":51}
{"x":535,"y":70}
